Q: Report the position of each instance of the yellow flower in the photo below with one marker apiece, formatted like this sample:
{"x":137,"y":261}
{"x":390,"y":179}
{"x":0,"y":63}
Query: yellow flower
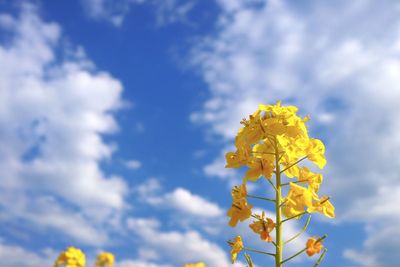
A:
{"x":259,"y":167}
{"x":263,"y":226}
{"x":314,"y":180}
{"x":252,"y":131}
{"x":239,"y":158}
{"x":313,"y":246}
{"x":237,"y":246}
{"x":325,"y":207}
{"x":200,"y":264}
{"x":239,"y":211}
{"x":298,"y":197}
{"x":239,"y":192}
{"x":72,"y":257}
{"x":105,"y":259}
{"x":316,"y":151}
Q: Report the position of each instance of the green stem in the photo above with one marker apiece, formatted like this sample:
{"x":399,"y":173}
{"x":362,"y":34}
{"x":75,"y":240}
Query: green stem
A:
{"x":320,"y":258}
{"x":263,"y":198}
{"x":248,"y":259}
{"x":298,"y":215}
{"x":291,"y":165}
{"x":302,"y":231}
{"x":278,"y":225}
{"x":259,"y":251}
{"x":295,"y":182}
{"x":303,"y":250}
{"x":271,"y":183}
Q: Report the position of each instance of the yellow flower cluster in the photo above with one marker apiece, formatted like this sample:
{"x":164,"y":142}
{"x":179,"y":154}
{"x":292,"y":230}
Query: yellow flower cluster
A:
{"x":272,"y":142}
{"x":105,"y":259}
{"x":72,"y":257}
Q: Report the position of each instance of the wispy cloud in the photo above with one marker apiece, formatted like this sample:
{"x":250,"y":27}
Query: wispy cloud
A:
{"x":115,"y":11}
{"x":178,"y":247}
{"x":180,"y":200}
{"x":53,"y":114}
{"x":133,"y":164}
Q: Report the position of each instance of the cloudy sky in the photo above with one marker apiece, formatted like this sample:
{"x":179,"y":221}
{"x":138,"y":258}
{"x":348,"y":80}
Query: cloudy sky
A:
{"x":115,"y":116}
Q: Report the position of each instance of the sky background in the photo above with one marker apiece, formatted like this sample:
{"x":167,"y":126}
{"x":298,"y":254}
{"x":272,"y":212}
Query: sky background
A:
{"x":115,"y":117}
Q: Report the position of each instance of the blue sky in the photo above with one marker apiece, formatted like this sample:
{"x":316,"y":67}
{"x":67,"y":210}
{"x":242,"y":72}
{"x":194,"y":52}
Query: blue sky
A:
{"x":115,"y":117}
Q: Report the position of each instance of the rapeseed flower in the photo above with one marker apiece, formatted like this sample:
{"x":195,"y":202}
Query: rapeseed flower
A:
{"x":313,"y":246}
{"x":105,"y":259}
{"x":237,"y":246}
{"x":72,"y":257}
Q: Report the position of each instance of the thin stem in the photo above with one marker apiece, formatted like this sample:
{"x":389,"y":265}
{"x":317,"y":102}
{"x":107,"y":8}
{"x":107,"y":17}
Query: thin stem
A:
{"x":269,"y":181}
{"x":263,"y":198}
{"x":303,"y":250}
{"x":291,"y":165}
{"x":295,"y":182}
{"x":259,"y":251}
{"x":302,"y":231}
{"x":320,"y":258}
{"x":283,"y":203}
{"x":248,"y":259}
{"x":298,"y":215}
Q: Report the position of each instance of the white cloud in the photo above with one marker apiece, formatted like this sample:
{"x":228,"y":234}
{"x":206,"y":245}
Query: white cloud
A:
{"x":180,"y":200}
{"x":187,"y":202}
{"x":15,"y":256}
{"x":334,"y":61}
{"x":133,"y":164}
{"x":178,"y":247}
{"x":115,"y":12}
{"x":53,"y":114}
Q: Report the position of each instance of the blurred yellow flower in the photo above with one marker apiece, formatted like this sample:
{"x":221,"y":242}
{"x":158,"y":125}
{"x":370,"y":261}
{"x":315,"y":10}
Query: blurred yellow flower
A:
{"x":299,"y":197}
{"x":324,"y":206}
{"x":237,"y":246}
{"x":72,"y":257}
{"x":314,"y":180}
{"x":263,"y":226}
{"x":200,"y":264}
{"x":315,"y":152}
{"x":313,"y":246}
{"x":239,"y":211}
{"x":105,"y":259}
{"x":239,"y":192}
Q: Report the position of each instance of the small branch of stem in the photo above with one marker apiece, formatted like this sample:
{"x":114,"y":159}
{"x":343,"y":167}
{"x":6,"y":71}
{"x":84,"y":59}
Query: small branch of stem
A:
{"x":269,"y":181}
{"x":302,"y":231}
{"x":263,"y":198}
{"x":320,"y":258}
{"x":248,"y":259}
{"x":259,"y":251}
{"x":303,"y":250}
{"x":283,"y":203}
{"x":295,"y":182}
{"x":291,"y":165}
{"x":298,"y":215}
